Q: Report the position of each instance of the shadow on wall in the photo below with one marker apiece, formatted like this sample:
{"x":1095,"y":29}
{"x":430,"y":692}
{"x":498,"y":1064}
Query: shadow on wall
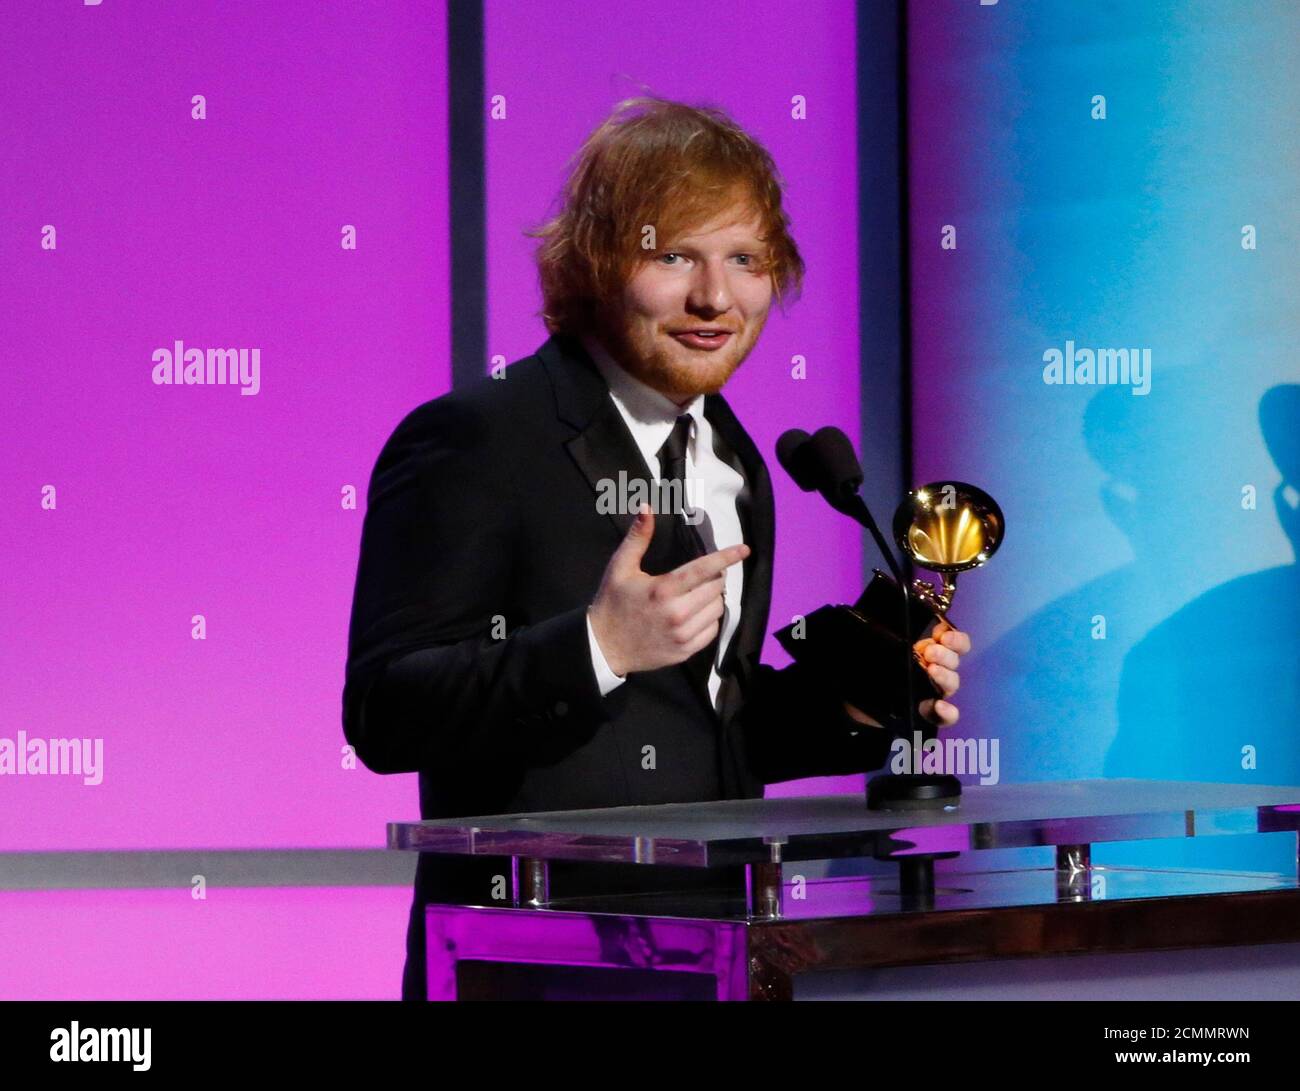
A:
{"x":1176,"y":689}
{"x":1228,"y":706}
{"x":1046,"y":690}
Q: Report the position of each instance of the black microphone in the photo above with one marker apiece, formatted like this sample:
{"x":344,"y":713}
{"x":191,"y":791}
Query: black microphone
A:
{"x":792,"y":453}
{"x":838,"y":472}
{"x":826,"y":461}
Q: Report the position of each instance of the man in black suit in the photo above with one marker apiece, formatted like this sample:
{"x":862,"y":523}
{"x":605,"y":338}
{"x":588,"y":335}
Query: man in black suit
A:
{"x":524,"y":639}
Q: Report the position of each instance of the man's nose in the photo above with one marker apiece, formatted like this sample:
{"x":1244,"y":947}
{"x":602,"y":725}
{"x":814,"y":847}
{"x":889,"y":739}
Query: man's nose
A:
{"x":710,"y":290}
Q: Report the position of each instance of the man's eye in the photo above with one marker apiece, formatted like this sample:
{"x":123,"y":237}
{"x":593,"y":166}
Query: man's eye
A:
{"x":748,"y":258}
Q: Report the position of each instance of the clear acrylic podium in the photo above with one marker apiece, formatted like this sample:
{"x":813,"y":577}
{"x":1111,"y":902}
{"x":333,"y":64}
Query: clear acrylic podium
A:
{"x":737,"y":944}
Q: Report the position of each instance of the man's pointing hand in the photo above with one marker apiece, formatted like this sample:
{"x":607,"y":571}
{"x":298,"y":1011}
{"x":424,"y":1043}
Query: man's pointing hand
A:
{"x":644,"y":622}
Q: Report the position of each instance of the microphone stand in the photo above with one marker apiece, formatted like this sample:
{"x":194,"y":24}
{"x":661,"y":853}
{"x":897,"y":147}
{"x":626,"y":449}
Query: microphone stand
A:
{"x":915,"y":790}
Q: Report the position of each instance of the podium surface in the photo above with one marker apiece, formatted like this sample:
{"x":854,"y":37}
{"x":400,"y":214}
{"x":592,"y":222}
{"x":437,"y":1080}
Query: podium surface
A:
{"x":750,"y":943}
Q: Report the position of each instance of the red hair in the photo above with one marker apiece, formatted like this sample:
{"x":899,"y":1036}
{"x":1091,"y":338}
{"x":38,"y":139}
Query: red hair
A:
{"x":660,"y":164}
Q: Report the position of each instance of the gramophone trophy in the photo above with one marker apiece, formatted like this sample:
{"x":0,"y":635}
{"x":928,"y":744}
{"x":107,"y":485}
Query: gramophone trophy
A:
{"x":858,"y":651}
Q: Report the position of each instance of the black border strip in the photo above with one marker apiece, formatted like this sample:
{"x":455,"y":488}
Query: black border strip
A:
{"x":467,"y":214}
{"x":884,"y":266}
{"x":905,"y":438}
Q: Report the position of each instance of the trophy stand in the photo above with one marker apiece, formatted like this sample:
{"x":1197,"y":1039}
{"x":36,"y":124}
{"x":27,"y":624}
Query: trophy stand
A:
{"x":916,"y":791}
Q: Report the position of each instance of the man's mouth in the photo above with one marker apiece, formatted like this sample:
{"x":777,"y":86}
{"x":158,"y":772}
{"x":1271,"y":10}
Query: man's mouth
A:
{"x":703,"y":338}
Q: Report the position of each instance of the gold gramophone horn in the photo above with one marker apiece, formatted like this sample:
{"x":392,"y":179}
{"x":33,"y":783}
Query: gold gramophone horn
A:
{"x":947,"y":527}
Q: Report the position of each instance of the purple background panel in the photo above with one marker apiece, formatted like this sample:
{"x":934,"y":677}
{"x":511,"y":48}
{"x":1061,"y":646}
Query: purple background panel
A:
{"x":250,"y":943}
{"x":177,"y":501}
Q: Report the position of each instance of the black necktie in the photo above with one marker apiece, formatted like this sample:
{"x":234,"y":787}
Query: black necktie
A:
{"x":687,"y":543}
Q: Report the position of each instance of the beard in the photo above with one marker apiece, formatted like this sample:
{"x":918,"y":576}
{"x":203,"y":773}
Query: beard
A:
{"x":670,"y":367}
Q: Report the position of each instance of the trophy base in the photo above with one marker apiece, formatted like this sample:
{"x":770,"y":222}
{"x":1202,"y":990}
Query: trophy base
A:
{"x":858,"y":653}
{"x":913,"y":792}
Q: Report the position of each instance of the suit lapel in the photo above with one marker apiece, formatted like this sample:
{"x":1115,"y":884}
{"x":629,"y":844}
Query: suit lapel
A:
{"x":758,"y":524}
{"x":603,"y":449}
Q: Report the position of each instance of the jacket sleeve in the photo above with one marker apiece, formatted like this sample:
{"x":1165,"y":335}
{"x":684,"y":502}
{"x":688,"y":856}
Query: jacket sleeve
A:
{"x":439,"y":673}
{"x":794,"y":728}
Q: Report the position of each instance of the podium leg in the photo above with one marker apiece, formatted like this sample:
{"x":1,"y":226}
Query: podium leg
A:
{"x":1074,"y":873}
{"x":763,"y":889}
{"x":531,"y":881}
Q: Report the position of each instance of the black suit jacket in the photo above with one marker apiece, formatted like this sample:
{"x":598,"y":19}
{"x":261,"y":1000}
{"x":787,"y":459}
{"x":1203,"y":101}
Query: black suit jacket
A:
{"x":468,"y":657}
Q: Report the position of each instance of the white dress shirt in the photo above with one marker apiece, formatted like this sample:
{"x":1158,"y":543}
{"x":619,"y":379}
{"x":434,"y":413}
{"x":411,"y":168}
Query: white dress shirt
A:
{"x":650,"y":417}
